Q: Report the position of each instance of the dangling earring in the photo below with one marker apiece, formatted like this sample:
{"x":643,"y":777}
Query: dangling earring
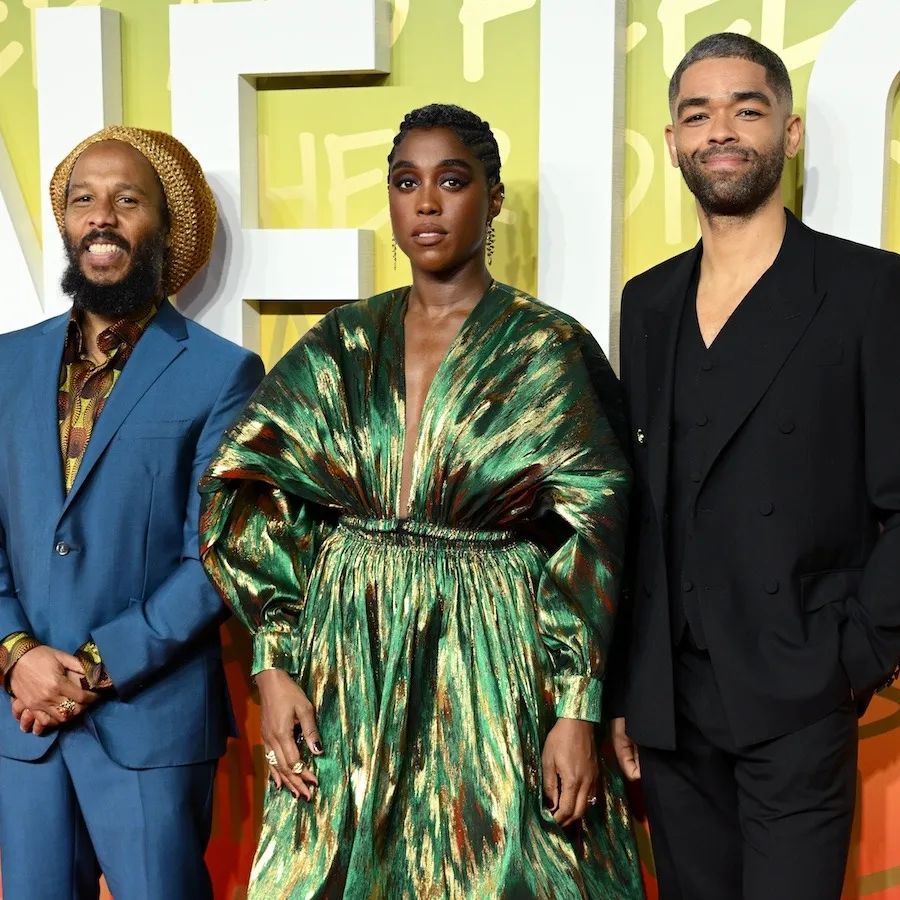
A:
{"x":489,"y":242}
{"x":394,"y":251}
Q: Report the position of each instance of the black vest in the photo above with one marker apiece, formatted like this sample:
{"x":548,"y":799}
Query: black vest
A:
{"x":698,"y":399}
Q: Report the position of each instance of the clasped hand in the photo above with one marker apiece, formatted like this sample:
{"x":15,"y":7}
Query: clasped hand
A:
{"x":46,"y":684}
{"x":571,"y":769}
{"x":284,"y":707}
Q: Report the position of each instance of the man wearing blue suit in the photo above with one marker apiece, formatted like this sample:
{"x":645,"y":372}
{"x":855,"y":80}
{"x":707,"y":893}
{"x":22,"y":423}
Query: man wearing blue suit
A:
{"x":109,"y":642}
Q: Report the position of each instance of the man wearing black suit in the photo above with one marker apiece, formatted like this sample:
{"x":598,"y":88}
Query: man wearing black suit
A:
{"x":761,"y":371}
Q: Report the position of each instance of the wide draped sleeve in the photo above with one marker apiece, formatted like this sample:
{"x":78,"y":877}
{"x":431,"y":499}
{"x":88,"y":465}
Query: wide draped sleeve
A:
{"x":264,"y":493}
{"x":587,"y":488}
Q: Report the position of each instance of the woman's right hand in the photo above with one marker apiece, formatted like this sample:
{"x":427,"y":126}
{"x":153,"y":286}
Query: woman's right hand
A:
{"x":284,"y":705}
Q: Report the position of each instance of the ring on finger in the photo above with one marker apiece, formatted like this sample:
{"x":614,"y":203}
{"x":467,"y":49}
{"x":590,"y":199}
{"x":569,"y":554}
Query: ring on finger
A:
{"x":66,"y":707}
{"x":298,"y":767}
{"x":592,"y":801}
{"x":271,"y":758}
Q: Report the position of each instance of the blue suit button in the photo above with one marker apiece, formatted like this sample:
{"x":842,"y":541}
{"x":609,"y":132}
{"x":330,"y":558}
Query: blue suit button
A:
{"x":62,"y":549}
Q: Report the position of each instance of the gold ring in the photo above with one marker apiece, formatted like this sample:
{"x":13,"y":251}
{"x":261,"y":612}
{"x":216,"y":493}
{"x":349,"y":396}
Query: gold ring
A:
{"x":271,"y":758}
{"x":298,"y":767}
{"x":66,"y":707}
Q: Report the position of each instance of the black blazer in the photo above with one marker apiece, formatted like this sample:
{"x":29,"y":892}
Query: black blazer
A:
{"x":800,"y":524}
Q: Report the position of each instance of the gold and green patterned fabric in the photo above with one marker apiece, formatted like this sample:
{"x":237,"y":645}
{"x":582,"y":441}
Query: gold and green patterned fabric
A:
{"x":12,"y":648}
{"x":84,"y":387}
{"x":438,"y":649}
{"x":95,"y":677}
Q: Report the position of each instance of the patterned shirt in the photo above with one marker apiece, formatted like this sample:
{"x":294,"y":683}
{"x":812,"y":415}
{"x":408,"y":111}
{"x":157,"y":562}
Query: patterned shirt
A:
{"x":84,"y":388}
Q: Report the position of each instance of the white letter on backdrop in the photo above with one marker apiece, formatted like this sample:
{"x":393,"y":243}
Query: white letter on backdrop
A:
{"x":217,"y":53}
{"x":581,"y":171}
{"x":20,"y":253}
{"x":848,"y":107}
{"x":65,"y":118}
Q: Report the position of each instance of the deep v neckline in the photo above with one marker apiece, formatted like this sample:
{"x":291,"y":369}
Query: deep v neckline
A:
{"x":414,"y":472}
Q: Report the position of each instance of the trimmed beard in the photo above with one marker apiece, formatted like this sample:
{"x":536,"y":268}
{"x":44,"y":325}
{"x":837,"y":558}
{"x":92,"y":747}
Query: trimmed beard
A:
{"x":739,"y":196}
{"x":141,"y":285}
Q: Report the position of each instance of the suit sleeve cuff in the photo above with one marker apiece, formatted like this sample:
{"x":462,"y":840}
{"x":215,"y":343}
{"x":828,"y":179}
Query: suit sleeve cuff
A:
{"x":578,"y":697}
{"x":96,"y":678}
{"x":275,"y":648}
{"x":860,"y":662}
{"x":12,"y":648}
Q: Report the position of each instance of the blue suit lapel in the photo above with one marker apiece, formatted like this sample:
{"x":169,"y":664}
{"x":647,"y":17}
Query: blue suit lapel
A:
{"x":162,"y":341}
{"x":45,"y":398}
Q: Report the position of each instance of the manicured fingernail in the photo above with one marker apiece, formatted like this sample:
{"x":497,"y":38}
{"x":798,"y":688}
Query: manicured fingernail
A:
{"x":317,"y":746}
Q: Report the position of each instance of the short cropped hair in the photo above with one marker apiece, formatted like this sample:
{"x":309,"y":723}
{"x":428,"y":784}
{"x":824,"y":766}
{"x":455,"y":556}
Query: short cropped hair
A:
{"x":728,"y":45}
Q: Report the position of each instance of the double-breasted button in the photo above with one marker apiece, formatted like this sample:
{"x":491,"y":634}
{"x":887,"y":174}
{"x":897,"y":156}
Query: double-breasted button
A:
{"x":62,"y":549}
{"x":766,"y":507}
{"x":706,"y":366}
{"x":696,"y":475}
{"x":772,"y":586}
{"x":786,"y":426}
{"x":687,"y":585}
{"x":701,"y":420}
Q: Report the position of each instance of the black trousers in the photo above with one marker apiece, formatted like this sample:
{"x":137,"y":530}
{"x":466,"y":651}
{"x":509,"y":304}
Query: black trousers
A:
{"x":766,"y":822}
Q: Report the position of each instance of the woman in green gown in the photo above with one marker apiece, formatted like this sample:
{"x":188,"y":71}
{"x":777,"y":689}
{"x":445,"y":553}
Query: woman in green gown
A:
{"x":420,"y":517}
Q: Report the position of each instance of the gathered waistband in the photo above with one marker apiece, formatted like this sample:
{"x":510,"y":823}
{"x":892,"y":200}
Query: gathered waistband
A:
{"x":427,"y":531}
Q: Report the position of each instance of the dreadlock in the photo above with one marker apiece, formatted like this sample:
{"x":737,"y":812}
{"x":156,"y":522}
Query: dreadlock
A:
{"x":475,"y":133}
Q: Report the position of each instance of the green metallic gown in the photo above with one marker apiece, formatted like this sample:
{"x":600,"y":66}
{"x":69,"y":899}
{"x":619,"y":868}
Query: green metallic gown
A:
{"x":437,"y":651}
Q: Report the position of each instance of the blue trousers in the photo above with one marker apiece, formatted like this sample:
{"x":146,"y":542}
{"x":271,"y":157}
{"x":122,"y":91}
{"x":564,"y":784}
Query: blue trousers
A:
{"x":76,"y":812}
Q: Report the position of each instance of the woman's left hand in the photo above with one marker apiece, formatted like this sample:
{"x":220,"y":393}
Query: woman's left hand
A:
{"x":571,"y":769}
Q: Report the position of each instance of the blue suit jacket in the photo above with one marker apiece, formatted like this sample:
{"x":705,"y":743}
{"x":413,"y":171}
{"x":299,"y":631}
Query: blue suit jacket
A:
{"x":116,"y":559}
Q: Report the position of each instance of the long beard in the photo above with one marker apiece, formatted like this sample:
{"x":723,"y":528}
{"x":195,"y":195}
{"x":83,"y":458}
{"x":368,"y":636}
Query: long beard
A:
{"x":142,"y":284}
{"x":733,"y":195}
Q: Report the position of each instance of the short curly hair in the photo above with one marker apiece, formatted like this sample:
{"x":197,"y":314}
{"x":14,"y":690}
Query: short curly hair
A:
{"x":472,"y":131}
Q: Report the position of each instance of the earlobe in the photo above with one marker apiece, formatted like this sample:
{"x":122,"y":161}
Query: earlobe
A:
{"x":497,"y":196}
{"x":793,"y":138}
{"x":670,"y":146}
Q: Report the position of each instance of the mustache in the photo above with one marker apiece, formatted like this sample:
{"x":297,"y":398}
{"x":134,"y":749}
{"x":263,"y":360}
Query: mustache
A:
{"x":98,"y":236}
{"x":740,"y":152}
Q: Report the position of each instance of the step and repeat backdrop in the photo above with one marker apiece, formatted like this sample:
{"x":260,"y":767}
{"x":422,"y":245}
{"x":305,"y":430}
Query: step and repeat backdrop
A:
{"x":320,"y":143}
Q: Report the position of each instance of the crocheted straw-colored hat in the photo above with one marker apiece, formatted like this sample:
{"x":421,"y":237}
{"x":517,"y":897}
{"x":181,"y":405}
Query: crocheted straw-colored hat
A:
{"x":192,"y":207}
